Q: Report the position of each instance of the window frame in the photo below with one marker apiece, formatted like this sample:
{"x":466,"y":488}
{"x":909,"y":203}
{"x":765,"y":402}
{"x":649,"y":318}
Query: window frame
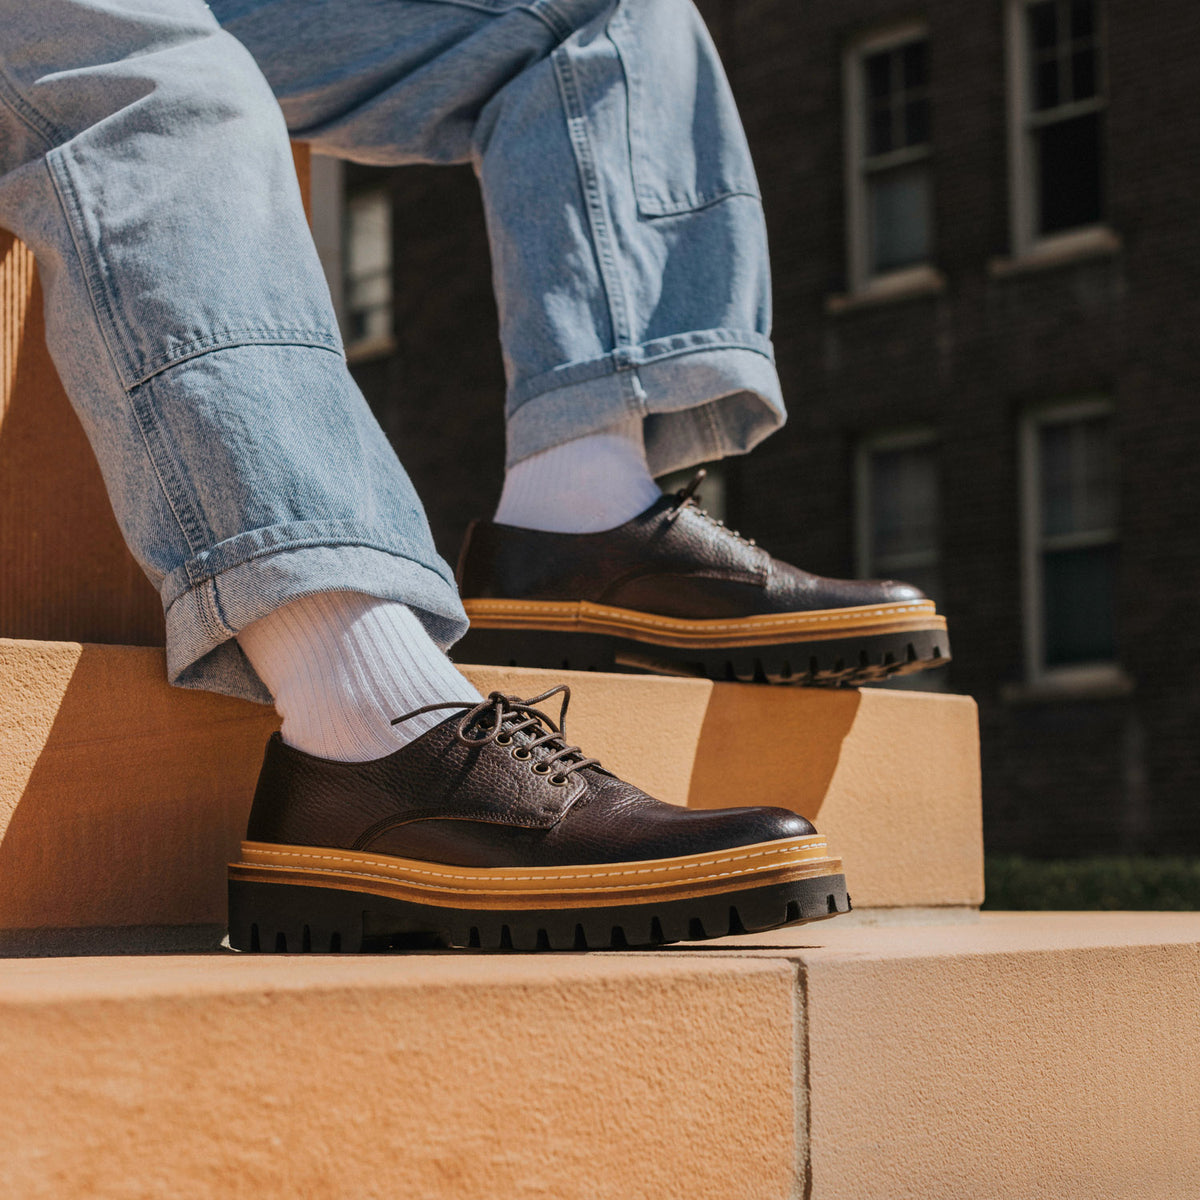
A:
{"x":1033,"y":609}
{"x":1023,"y":122}
{"x":915,"y":438}
{"x":860,"y":279}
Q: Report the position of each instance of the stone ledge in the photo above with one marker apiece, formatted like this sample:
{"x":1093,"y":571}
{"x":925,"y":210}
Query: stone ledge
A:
{"x":1019,"y":1055}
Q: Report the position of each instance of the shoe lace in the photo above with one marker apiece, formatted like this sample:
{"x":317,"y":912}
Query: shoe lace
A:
{"x":503,"y":717}
{"x":686,"y":498}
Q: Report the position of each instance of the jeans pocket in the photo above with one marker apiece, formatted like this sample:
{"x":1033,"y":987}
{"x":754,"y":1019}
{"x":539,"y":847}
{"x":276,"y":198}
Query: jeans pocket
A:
{"x":686,"y":144}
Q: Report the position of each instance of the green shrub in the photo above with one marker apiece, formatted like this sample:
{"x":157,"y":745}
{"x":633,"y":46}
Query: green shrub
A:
{"x":1014,"y":882}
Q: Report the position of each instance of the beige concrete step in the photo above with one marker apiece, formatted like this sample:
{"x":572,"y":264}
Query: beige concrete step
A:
{"x":1009,"y":1057}
{"x":122,"y":799}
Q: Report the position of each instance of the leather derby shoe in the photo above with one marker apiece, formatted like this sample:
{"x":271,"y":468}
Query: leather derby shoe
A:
{"x":491,"y":831}
{"x":675,"y":591}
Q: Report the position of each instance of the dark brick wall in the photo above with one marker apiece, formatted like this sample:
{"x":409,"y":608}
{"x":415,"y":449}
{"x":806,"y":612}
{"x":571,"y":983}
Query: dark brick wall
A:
{"x":1067,"y":776}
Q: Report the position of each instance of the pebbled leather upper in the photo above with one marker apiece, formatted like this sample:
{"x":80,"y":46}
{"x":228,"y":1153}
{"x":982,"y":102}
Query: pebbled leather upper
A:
{"x":673,"y":560}
{"x":438,"y":800}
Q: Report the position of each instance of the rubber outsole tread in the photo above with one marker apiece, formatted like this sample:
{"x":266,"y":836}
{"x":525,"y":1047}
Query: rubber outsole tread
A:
{"x":294,"y":918}
{"x":841,"y":662}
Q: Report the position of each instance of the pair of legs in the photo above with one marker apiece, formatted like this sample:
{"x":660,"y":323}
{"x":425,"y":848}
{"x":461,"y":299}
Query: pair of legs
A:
{"x":144,"y":157}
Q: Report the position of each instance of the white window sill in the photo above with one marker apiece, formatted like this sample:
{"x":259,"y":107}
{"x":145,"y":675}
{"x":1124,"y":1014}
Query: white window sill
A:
{"x":908,"y":284}
{"x":1059,"y":251}
{"x":369,"y":348}
{"x":1098,"y":681}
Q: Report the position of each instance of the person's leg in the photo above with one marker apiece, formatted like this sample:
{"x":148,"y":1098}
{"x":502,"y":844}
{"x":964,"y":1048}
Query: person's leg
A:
{"x":145,"y":161}
{"x":630,"y":265}
{"x":628,"y":243}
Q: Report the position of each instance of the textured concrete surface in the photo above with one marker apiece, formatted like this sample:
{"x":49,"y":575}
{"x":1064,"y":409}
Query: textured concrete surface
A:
{"x":892,"y":778}
{"x":426,"y":1077}
{"x":1013,"y":1057}
{"x":1018,"y":1056}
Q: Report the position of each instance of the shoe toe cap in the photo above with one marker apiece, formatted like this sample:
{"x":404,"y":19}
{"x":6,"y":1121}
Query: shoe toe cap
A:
{"x":747,"y":826}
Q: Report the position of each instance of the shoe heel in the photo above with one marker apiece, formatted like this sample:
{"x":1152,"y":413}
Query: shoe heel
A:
{"x":287,"y":918}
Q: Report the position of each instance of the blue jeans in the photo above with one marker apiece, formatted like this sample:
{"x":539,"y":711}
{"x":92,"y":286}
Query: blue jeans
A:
{"x":144,"y":157}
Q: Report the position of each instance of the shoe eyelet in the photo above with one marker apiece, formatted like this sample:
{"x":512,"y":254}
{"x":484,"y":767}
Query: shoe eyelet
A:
{"x":521,"y":752}
{"x":541,"y":768}
{"x":558,"y":780}
{"x":504,"y":739}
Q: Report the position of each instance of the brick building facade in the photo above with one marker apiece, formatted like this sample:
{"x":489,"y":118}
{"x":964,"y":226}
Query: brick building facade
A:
{"x":985,"y":248}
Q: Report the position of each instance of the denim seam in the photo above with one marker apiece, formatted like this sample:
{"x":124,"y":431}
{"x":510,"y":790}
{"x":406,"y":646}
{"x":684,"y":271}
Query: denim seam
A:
{"x":654,"y":209}
{"x":227,"y":339}
{"x":164,"y":469}
{"x":568,"y":85}
{"x":50,"y":133}
{"x":550,"y":17}
{"x":68,"y":198}
{"x":615,"y":364}
{"x":651,"y":204}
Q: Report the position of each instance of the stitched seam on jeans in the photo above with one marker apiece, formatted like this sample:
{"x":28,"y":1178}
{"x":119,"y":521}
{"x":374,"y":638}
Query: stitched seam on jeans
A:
{"x":50,"y":133}
{"x":551,"y":18}
{"x":157,"y":452}
{"x":90,"y":262}
{"x":568,"y":87}
{"x":226,"y":339}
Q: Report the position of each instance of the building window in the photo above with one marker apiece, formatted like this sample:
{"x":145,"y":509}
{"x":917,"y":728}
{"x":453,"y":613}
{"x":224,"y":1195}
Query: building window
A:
{"x":368,"y":271}
{"x":888,"y":155}
{"x":898,"y":510}
{"x":1057,"y":118}
{"x":1070,"y":538}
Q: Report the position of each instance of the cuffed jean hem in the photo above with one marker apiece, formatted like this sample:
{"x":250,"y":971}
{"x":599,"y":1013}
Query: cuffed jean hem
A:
{"x":704,"y":395}
{"x":203,"y":620}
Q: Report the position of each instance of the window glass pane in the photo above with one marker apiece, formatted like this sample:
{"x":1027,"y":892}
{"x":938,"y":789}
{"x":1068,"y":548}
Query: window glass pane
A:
{"x":1078,"y":478}
{"x":1069,"y":173}
{"x":1043,"y":25}
{"x":879,"y":75}
{"x":1083,"y":74}
{"x":898,"y":205}
{"x":1079,"y":591}
{"x":1083,"y":19}
{"x":916,"y":122}
{"x":904,"y":503}
{"x":879,"y":134}
{"x":915,"y":57}
{"x":1045,"y":84}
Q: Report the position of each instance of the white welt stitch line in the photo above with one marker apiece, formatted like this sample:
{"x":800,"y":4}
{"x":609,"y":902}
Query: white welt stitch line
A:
{"x":416,"y":883}
{"x":540,"y":878}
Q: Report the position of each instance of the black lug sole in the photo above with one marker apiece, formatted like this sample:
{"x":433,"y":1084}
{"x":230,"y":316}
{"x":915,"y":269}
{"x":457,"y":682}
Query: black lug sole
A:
{"x":832,"y":663}
{"x":293,"y":918}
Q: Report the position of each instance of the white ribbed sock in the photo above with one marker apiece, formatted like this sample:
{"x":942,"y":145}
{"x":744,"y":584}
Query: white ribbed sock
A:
{"x":583,"y":486}
{"x":341,"y":665}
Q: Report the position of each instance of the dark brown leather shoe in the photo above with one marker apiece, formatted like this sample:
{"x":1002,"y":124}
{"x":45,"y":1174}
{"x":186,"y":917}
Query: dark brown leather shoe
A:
{"x":491,"y":831}
{"x":677,"y":592}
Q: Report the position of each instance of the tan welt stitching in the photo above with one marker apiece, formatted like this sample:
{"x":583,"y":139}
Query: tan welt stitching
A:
{"x":607,"y":887}
{"x":632,"y":617}
{"x":547,"y":877}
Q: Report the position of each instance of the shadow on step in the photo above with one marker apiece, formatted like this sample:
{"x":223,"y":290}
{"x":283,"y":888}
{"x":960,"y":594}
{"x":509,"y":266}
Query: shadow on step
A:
{"x":754,"y":739}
